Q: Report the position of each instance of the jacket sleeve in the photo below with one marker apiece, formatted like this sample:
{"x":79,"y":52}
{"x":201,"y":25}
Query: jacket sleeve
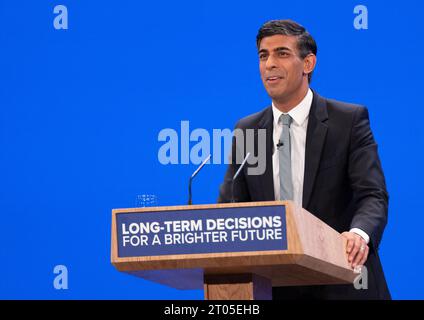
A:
{"x":367,"y":180}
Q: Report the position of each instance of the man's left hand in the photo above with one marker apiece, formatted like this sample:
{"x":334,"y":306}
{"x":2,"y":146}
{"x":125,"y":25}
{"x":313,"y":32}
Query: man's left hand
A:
{"x":356,"y":248}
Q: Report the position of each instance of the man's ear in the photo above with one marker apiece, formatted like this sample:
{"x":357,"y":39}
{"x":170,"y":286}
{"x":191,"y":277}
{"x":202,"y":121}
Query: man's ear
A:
{"x":309,"y":63}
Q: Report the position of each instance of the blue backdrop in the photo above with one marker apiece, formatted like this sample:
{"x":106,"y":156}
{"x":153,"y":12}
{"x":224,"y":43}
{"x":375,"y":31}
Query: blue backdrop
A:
{"x":81,"y":110}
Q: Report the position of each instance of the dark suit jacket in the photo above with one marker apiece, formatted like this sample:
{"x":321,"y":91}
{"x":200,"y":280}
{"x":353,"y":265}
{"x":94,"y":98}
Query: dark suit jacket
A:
{"x":344,"y":185}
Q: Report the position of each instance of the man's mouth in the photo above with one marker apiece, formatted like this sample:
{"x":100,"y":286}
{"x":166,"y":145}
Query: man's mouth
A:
{"x":273,"y":79}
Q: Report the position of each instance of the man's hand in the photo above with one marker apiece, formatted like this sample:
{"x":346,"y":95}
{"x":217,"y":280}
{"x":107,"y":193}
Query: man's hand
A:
{"x":356,"y":249}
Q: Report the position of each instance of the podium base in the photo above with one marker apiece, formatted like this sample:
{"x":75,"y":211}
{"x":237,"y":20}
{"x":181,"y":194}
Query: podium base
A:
{"x":237,"y":287}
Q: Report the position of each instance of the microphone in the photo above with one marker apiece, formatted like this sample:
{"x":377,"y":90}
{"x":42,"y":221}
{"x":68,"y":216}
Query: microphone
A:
{"x":236,"y":175}
{"x":193,"y":175}
{"x":279,"y":144}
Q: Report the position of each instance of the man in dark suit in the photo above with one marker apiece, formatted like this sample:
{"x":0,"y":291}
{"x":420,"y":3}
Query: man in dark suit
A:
{"x":320,"y":153}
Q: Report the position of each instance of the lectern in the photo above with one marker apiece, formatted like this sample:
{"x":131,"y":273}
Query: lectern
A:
{"x":233,"y":251}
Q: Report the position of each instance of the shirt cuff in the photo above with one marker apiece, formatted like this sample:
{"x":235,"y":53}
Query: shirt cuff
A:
{"x":361,"y":233}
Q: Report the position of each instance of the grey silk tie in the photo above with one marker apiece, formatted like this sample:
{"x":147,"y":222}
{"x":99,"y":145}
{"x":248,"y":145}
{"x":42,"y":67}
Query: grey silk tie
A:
{"x":284,"y":154}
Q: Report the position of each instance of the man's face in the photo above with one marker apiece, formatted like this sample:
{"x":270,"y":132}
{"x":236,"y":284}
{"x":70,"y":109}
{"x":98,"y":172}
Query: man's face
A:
{"x":281,"y":68}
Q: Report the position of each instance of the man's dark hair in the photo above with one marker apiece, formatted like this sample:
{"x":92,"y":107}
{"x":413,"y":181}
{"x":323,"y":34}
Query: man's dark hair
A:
{"x":305,"y":43}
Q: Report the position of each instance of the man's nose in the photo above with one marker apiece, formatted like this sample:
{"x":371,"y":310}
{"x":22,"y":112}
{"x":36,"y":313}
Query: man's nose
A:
{"x":270,"y":63}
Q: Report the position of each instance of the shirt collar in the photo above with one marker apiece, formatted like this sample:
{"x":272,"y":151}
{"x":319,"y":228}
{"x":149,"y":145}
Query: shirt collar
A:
{"x":299,"y":113}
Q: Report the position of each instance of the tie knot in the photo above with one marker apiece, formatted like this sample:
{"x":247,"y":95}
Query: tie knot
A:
{"x":286,"y":120}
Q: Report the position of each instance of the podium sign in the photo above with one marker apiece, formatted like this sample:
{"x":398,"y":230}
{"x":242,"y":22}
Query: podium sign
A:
{"x":201,"y":231}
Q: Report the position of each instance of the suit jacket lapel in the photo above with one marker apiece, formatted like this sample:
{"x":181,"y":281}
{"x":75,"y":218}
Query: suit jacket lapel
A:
{"x":267,"y":179}
{"x":315,"y":138}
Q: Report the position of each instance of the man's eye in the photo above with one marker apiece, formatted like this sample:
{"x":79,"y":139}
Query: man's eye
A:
{"x":283,"y":54}
{"x":262,"y":56}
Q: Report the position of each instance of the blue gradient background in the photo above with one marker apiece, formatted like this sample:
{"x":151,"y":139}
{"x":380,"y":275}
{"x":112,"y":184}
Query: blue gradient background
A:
{"x":81,"y":109}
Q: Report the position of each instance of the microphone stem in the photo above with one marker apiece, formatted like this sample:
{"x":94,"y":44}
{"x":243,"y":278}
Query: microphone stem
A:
{"x":192,"y":177}
{"x":189,"y":192}
{"x":236,"y":175}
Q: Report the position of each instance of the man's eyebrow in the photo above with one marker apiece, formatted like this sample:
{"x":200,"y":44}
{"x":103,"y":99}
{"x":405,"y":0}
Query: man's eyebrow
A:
{"x":282,"y":49}
{"x":275,"y":50}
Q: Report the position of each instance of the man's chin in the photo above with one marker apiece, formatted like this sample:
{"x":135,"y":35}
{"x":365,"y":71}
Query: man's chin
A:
{"x":280,"y":95}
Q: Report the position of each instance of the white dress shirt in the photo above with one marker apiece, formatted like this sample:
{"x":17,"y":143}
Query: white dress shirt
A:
{"x":298,"y":128}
